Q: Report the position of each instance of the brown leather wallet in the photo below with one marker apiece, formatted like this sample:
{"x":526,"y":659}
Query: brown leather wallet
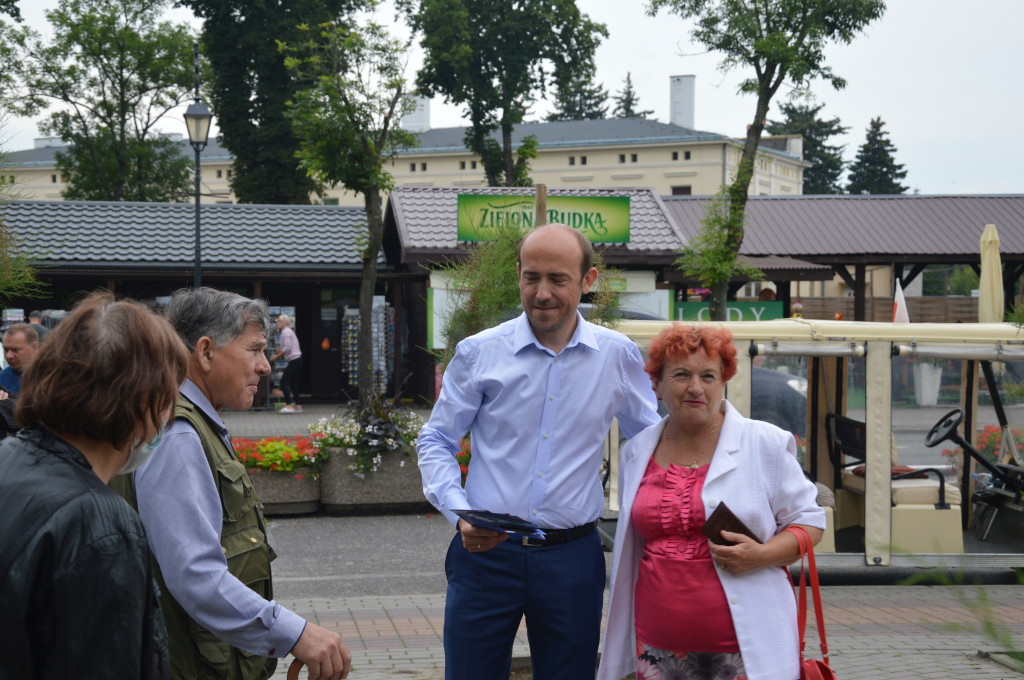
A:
{"x":724,"y":519}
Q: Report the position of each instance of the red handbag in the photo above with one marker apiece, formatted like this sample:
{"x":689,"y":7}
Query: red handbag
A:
{"x":810,"y":669}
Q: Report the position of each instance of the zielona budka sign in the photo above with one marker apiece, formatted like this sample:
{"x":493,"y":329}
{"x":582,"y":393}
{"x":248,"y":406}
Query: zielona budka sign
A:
{"x":602,"y":219}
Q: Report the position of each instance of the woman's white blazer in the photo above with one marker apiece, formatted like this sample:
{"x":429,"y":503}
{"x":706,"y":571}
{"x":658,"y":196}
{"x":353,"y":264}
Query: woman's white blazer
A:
{"x":754,"y":471}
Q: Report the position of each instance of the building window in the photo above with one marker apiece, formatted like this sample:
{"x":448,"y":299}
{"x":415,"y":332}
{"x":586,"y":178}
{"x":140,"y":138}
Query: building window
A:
{"x":462,"y":165}
{"x":229,"y":174}
{"x":681,"y":191}
{"x":572,"y":160}
{"x":675,"y":155}
{"x":330,"y":201}
{"x":412,"y":167}
{"x":686,"y":155}
{"x":622,"y":158}
{"x":632,"y":158}
{"x":473,"y":165}
{"x":423,"y":167}
{"x":53,"y":179}
{"x":220,"y":174}
{"x":583,"y":160}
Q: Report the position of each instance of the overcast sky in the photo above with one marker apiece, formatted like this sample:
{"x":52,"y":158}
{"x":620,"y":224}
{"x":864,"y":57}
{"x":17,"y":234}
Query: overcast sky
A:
{"x":943,"y":75}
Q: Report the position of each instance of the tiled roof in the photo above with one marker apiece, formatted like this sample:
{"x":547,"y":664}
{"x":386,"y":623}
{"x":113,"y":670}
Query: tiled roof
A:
{"x":606,"y":132}
{"x":154,"y":235}
{"x":870,"y":228}
{"x":573,"y":133}
{"x":424,"y":219}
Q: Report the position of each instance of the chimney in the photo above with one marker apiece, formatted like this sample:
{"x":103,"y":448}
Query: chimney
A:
{"x":418,"y":118}
{"x":681,"y":90}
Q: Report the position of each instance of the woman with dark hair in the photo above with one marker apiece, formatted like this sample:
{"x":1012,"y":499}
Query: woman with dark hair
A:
{"x":76,"y":586}
{"x":681,"y":607}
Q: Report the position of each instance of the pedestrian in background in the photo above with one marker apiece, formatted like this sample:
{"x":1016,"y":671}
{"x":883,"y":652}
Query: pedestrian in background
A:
{"x":35,"y":319}
{"x":76,"y":580}
{"x":538,"y":393}
{"x":21,"y":342}
{"x":289,"y":349}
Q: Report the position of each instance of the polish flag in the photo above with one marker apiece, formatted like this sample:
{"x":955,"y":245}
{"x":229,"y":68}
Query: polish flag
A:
{"x":899,"y":306}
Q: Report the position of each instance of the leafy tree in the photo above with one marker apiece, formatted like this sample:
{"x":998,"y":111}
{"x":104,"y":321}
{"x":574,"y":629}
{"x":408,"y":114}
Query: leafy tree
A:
{"x":803,"y":119}
{"x":876,"y":171}
{"x":706,"y":258}
{"x":114,"y":70}
{"x":494,"y":57}
{"x":578,"y":97}
{"x":10,"y":8}
{"x":156,"y":169}
{"x":352,"y":91}
{"x":627,"y":103}
{"x":250,"y":87}
{"x":963,"y":280}
{"x":780,"y":40}
{"x":17,"y":270}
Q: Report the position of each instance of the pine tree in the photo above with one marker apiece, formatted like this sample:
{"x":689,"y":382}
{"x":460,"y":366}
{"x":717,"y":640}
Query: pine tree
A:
{"x":876,"y":171}
{"x":802,"y":119}
{"x":578,"y":97}
{"x":627,"y":104}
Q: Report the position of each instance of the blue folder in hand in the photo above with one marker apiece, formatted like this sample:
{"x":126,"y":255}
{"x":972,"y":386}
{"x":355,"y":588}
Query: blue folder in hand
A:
{"x":510,"y":524}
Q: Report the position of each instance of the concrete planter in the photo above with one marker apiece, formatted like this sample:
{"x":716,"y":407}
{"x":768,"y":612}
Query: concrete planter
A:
{"x":392,"y":488}
{"x":285,"y":493}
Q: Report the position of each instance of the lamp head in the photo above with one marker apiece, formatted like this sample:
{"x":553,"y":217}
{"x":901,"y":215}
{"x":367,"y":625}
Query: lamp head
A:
{"x":198,"y":119}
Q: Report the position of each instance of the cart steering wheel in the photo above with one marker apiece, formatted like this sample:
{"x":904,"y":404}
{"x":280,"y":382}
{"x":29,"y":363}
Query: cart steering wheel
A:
{"x":945,"y":428}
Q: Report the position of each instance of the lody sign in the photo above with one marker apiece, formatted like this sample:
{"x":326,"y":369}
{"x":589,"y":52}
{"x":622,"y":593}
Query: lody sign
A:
{"x":735,"y":311}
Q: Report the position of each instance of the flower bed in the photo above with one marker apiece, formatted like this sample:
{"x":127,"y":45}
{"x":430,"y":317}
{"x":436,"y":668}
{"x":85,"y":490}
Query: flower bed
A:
{"x":371,"y":467}
{"x":285,"y":470}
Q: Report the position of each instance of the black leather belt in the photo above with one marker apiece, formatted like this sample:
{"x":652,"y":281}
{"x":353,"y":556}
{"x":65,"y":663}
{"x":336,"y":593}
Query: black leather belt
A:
{"x":559,"y":536}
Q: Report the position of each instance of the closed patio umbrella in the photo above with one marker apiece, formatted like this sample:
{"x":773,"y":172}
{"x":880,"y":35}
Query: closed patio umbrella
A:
{"x":990,"y":293}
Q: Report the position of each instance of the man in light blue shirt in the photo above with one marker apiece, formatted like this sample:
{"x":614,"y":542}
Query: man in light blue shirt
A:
{"x":538,"y":394}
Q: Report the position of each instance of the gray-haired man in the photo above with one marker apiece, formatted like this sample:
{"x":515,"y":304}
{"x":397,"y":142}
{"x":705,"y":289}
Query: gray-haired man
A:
{"x":205,"y":528}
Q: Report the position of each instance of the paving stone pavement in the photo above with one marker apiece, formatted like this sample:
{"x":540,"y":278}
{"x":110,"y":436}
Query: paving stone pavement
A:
{"x":893,"y":632}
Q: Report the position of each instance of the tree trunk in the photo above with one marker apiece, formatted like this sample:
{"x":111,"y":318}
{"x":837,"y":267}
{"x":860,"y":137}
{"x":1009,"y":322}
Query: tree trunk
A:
{"x":716,"y":304}
{"x":367,"y":287}
{"x":506,"y":146}
{"x":739,"y":191}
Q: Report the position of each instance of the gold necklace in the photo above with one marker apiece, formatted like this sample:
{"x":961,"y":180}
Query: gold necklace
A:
{"x":703,"y":450}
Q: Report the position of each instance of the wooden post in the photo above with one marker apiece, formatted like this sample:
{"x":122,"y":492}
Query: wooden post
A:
{"x":541,"y":215}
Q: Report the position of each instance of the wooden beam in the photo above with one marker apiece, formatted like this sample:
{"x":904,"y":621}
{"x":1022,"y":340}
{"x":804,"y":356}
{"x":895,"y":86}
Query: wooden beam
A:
{"x":844,"y":274}
{"x":860,"y":302}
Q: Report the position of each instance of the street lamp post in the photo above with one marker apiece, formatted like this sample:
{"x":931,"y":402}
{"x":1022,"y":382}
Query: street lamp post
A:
{"x":197,"y":119}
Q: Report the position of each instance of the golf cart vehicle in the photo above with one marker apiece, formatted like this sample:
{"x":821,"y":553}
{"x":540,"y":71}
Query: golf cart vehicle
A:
{"x":878,"y":405}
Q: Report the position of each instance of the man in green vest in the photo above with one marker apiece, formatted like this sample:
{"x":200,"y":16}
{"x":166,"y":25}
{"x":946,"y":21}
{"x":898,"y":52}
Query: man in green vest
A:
{"x":202,"y":517}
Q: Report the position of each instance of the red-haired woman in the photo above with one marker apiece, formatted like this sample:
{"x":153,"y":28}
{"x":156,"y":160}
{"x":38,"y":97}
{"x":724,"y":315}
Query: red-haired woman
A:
{"x":680,"y":606}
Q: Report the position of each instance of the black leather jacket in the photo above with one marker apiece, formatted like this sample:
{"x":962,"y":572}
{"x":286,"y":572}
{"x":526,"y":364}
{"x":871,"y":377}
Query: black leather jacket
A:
{"x":76,"y":588}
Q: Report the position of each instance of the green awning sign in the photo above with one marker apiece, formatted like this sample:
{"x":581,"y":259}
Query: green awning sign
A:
{"x":602,"y":219}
